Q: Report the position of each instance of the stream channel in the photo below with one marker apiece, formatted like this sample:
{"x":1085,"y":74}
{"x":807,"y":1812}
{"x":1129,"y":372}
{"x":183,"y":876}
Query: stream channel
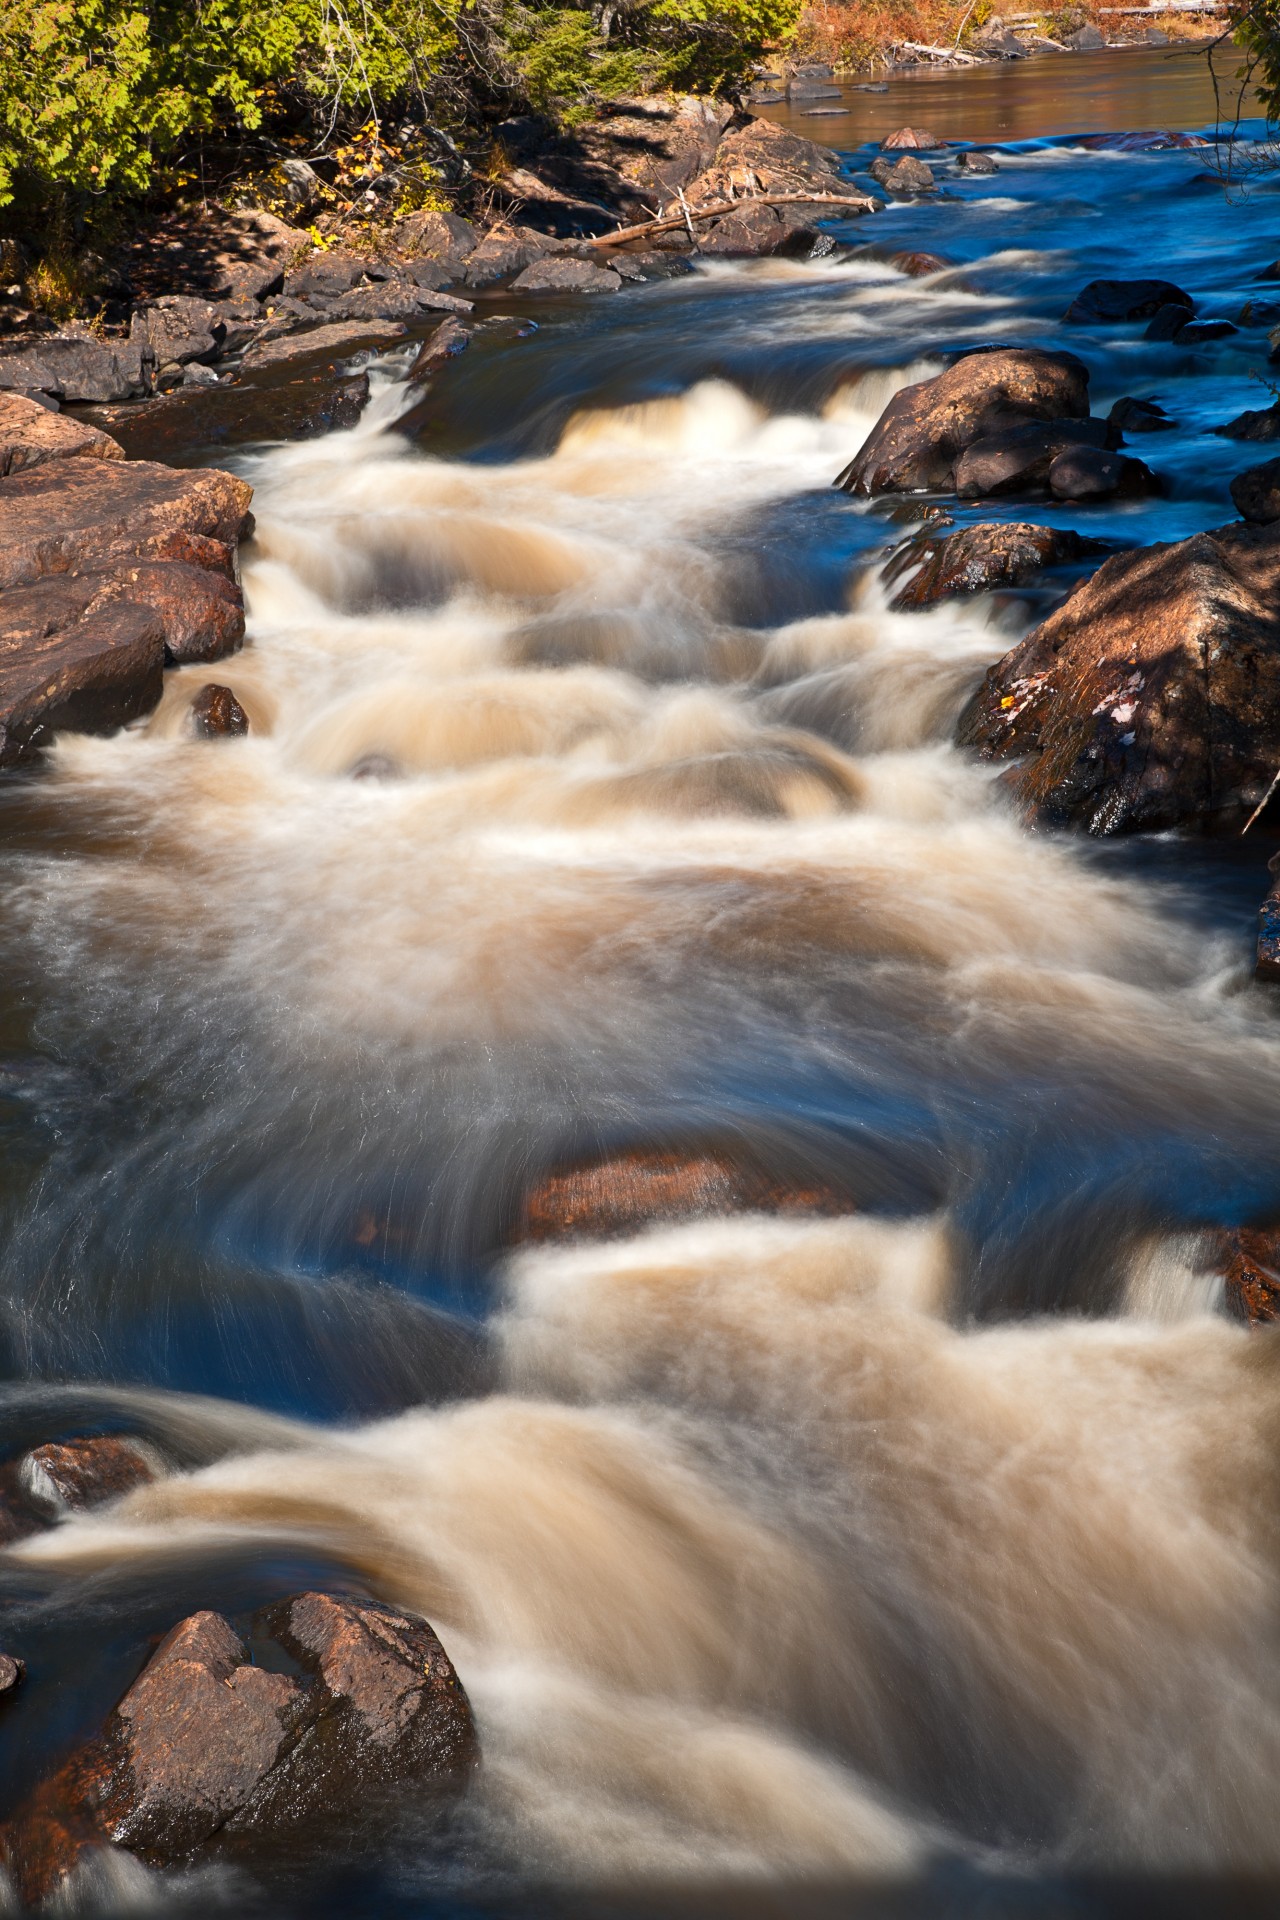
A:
{"x":917,"y":1561}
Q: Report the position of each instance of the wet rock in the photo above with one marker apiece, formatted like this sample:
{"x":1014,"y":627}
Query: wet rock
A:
{"x":628,"y":1191}
{"x":1267,"y":965}
{"x":1099,"y":473}
{"x":566,"y":275}
{"x":977,"y":163}
{"x":72,"y":1475}
{"x":339,"y":340}
{"x":106,"y":567}
{"x":1017,"y":460}
{"x":442,"y":343}
{"x":910,"y":137}
{"x":1256,"y":493}
{"x":216,"y":714}
{"x":77,"y":367}
{"x":209,"y":1756}
{"x":1197,"y":332}
{"x":92,"y":676}
{"x":977,"y":559}
{"x":757,"y":232}
{"x":1140,"y":416}
{"x":925,"y":428}
{"x":30,"y":434}
{"x":1166,"y":322}
{"x":1151,"y":699}
{"x":1261,"y":424}
{"x":12,"y":1671}
{"x":1085,"y":39}
{"x":917,"y":266}
{"x":907,"y":175}
{"x":1111,"y":300}
{"x":1249,"y":1261}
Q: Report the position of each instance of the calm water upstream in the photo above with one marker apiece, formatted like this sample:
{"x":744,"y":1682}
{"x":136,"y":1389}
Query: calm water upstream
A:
{"x":922,"y":1561}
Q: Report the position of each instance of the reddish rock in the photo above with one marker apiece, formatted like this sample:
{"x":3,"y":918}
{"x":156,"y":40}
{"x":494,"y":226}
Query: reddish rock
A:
{"x":109,"y":566}
{"x":977,"y":560}
{"x":917,"y":266}
{"x":71,"y":1475}
{"x":200,"y":608}
{"x":756,"y":232}
{"x":441,"y":344}
{"x":90,"y":677}
{"x":1249,"y":1261}
{"x":31,"y":435}
{"x":921,"y":434}
{"x":217,"y":714}
{"x":76,"y":514}
{"x":12,"y":1671}
{"x":443,"y":237}
{"x":1151,"y":699}
{"x":910,"y":137}
{"x":634,"y":1190}
{"x":208,"y":1755}
{"x":909,"y":176}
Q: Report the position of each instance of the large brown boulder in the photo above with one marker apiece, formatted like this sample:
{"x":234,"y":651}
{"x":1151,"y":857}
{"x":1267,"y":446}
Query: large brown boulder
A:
{"x":209,"y":1755}
{"x":977,"y":559}
{"x":107,"y":569}
{"x":921,"y":434}
{"x":1151,"y":698}
{"x":31,"y":434}
{"x":72,"y":1474}
{"x":76,"y":514}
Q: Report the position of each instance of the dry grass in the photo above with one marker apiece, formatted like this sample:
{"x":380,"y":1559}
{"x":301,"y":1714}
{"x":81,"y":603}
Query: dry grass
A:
{"x":862,"y":35}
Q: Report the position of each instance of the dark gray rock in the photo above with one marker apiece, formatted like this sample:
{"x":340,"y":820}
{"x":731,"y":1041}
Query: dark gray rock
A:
{"x":1140,"y":416}
{"x":1106,"y":300}
{"x":1097,"y":473}
{"x":1017,"y":460}
{"x":566,"y":275}
{"x":76,"y":367}
{"x":1256,"y":493}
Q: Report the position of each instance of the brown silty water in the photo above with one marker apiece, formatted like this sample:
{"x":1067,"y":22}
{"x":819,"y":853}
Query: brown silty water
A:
{"x":777,"y":1550}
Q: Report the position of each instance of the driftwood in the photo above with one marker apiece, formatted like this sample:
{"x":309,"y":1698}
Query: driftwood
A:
{"x":668,"y":222}
{"x":951,"y":55}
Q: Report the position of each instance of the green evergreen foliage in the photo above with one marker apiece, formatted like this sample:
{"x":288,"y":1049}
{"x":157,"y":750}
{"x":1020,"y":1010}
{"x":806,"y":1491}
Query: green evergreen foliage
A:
{"x":104,"y":101}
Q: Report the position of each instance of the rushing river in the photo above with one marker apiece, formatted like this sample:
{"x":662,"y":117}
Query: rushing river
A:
{"x":593,"y":799}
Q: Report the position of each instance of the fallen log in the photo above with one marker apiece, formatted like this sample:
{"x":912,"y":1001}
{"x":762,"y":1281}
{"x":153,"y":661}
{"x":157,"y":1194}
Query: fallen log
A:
{"x":668,"y":222}
{"x":950,"y":54}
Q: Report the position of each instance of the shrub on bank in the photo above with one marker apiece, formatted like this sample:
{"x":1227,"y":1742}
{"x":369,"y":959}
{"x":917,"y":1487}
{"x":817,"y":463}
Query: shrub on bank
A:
{"x":103,"y":102}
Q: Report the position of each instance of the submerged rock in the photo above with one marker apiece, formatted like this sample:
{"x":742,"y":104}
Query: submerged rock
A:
{"x":1104,"y":300}
{"x":977,"y":163}
{"x":208,"y":1755}
{"x":1151,"y":699}
{"x":629,"y":1191}
{"x":917,"y":266}
{"x":977,"y":560}
{"x":920,"y":436}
